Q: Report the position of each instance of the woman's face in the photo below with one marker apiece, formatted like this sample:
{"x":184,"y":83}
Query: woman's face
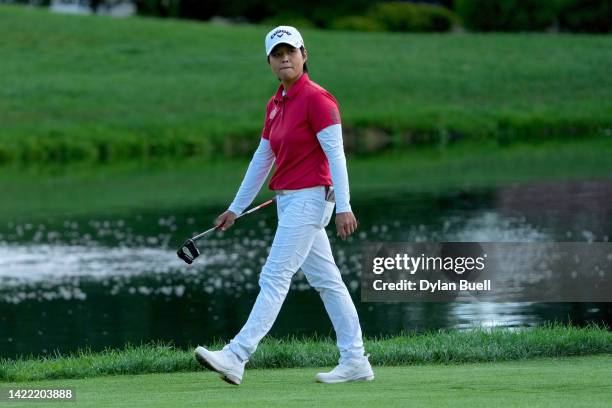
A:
{"x":287,"y":62}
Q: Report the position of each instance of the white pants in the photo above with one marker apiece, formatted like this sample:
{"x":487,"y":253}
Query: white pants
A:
{"x":301,"y":242}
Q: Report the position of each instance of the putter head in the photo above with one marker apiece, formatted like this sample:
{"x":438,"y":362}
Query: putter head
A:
{"x":188,"y":252}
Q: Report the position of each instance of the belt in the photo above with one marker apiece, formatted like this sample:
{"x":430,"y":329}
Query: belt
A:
{"x":283,"y":192}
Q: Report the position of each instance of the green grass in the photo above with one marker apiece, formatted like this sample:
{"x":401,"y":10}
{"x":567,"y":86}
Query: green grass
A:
{"x":34,"y":193}
{"x":103,"y":89}
{"x":552,"y":382}
{"x":442,"y":347}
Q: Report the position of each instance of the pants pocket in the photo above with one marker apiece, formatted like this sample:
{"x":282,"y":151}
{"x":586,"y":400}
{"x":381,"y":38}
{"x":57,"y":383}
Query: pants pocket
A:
{"x":299,"y":212}
{"x":320,"y":211}
{"x":328,"y":210}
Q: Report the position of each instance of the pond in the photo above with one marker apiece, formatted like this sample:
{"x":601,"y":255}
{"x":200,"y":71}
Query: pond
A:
{"x":69,"y":283}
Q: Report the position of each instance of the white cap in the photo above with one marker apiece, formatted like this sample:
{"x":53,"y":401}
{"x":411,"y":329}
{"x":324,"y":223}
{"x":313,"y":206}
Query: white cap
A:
{"x":283,"y":35}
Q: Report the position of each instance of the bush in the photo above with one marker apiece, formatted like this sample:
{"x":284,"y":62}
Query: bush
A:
{"x":323,"y":13}
{"x":319,"y":12}
{"x":438,"y":18}
{"x":399,"y":16}
{"x":290,"y":19}
{"x":508,"y":15}
{"x":593,"y":16}
{"x":357,"y":23}
{"x":158,"y":8}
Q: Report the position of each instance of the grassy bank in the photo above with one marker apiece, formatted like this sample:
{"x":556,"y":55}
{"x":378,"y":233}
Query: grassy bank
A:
{"x":443,"y":347}
{"x":558,"y":382}
{"x":102,"y":89}
{"x":80,"y":190}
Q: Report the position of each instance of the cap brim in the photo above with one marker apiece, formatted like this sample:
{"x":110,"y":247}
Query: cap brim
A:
{"x":279,"y":43}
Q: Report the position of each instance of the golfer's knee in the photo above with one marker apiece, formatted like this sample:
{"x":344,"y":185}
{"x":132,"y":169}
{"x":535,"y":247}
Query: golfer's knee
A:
{"x":328,"y":286}
{"x":275,"y":281}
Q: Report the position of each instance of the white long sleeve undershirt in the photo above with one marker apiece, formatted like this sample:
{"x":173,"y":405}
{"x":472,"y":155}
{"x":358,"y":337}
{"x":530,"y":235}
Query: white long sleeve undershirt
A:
{"x":256,"y":174}
{"x":330,"y":139}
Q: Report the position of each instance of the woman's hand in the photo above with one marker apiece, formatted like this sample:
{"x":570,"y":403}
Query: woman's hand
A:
{"x":346,"y":224}
{"x":225,"y":220}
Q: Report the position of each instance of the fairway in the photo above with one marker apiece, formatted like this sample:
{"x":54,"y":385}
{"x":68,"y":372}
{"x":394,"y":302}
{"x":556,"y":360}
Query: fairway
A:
{"x":549,"y":382}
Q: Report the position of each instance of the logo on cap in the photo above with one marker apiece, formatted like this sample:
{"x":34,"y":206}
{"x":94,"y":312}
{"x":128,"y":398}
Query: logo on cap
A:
{"x":279,"y":33}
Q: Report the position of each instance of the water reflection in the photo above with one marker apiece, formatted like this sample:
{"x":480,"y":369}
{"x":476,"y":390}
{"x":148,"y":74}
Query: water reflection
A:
{"x":112,"y":254}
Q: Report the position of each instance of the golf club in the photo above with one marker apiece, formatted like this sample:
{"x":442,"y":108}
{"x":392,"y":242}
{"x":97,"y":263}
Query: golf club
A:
{"x":188,"y":252}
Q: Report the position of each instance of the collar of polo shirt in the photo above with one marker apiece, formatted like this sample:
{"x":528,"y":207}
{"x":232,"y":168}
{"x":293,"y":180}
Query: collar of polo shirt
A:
{"x":293,"y":91}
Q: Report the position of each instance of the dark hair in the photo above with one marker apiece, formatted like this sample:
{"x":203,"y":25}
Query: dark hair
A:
{"x":301,"y":49}
{"x":305,"y":66}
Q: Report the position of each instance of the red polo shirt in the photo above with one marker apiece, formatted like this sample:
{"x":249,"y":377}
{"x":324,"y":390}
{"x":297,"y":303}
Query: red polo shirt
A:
{"x":291,"y":125}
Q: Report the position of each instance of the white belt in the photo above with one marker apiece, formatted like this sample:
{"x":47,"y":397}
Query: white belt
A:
{"x":283,"y":192}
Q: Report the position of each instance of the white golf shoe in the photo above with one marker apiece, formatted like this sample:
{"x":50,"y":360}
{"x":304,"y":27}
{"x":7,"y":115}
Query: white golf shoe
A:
{"x":224,"y":362}
{"x":352,"y":370}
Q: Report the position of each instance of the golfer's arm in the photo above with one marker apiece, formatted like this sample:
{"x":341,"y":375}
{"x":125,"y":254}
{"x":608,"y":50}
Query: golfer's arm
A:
{"x":330,"y":139}
{"x":255,"y":176}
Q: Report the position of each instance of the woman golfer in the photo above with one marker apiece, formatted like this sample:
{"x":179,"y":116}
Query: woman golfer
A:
{"x":303,"y":135}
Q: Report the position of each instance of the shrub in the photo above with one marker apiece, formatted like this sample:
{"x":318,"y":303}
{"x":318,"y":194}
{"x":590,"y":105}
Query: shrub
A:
{"x":508,"y":15}
{"x":290,"y":19}
{"x":399,"y":16}
{"x":319,"y":12}
{"x":594,"y":16}
{"x":158,"y":8}
{"x":438,"y":18}
{"x":357,"y":23}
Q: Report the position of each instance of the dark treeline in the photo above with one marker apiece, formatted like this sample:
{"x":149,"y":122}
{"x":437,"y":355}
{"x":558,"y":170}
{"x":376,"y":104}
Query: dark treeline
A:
{"x":592,"y":16}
